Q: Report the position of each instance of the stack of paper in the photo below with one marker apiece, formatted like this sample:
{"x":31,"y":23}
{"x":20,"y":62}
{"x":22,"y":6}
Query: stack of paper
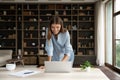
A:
{"x":24,"y":73}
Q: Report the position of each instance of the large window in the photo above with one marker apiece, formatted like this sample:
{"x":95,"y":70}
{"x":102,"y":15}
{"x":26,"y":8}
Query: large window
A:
{"x":117,"y":40}
{"x":108,"y":31}
{"x":117,"y":32}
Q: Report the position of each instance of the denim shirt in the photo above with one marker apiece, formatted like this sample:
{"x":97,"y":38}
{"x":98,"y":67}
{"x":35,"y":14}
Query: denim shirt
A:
{"x":57,"y":48}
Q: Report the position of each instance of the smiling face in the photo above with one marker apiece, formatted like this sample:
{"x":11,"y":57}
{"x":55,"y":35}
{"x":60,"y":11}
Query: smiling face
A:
{"x":55,"y":28}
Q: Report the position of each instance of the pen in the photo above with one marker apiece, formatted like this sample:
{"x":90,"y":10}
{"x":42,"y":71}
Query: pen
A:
{"x":28,"y":72}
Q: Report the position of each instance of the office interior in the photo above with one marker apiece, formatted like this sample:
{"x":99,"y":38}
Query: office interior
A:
{"x":93,"y":26}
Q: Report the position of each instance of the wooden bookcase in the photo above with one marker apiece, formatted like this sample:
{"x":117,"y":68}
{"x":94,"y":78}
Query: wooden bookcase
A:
{"x":27,"y":23}
{"x":8,"y":27}
{"x":30,"y":32}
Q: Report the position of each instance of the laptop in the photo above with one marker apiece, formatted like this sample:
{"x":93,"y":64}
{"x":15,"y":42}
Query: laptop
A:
{"x":58,"y":66}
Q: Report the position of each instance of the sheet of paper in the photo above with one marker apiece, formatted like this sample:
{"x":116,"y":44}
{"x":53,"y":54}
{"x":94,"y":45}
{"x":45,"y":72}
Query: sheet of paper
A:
{"x":24,"y":73}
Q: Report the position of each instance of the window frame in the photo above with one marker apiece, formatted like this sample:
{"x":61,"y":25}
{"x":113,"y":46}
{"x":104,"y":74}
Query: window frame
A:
{"x":113,"y":66}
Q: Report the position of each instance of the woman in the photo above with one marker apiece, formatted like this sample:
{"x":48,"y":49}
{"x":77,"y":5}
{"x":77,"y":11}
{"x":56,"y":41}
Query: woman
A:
{"x":58,"y":45}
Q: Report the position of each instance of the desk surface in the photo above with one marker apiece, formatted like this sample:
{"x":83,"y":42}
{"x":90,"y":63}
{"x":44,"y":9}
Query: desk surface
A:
{"x":75,"y":74}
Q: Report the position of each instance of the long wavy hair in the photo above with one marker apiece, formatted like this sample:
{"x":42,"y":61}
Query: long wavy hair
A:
{"x":55,"y":20}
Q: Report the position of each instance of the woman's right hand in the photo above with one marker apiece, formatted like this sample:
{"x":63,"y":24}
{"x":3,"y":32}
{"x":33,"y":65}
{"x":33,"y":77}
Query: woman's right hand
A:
{"x":42,"y":67}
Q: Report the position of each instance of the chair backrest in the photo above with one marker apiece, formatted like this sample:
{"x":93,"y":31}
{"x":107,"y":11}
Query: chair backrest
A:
{"x":4,"y":56}
{"x":5,"y":52}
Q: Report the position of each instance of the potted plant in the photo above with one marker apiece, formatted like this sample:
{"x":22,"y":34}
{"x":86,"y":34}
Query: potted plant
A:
{"x":86,"y":66}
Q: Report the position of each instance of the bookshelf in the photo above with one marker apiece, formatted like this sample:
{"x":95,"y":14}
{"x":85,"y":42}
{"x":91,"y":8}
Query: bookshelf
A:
{"x":27,"y":23}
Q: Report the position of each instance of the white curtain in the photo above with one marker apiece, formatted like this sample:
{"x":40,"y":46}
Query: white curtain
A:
{"x":100,"y":30}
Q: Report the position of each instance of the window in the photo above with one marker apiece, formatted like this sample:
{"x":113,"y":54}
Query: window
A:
{"x":117,"y":5}
{"x":117,"y":33}
{"x":108,"y":31}
{"x":117,"y":40}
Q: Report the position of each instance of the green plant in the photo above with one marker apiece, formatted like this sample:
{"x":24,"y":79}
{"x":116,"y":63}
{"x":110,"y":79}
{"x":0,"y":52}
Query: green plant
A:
{"x":86,"y":64}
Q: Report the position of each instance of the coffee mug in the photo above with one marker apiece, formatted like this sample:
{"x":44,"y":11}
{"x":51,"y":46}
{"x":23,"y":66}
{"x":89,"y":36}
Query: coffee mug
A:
{"x":10,"y":67}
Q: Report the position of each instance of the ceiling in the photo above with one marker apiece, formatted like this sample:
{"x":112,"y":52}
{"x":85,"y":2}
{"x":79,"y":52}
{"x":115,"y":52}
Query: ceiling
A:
{"x":49,"y":1}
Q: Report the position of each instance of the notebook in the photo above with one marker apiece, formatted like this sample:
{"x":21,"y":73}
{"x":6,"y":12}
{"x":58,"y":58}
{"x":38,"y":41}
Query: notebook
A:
{"x":58,"y":66}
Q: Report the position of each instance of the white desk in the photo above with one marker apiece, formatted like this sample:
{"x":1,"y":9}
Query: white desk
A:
{"x":76,"y":74}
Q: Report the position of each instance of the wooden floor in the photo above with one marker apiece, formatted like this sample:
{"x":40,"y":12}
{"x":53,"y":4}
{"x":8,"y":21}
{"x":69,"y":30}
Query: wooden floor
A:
{"x":110,"y":73}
